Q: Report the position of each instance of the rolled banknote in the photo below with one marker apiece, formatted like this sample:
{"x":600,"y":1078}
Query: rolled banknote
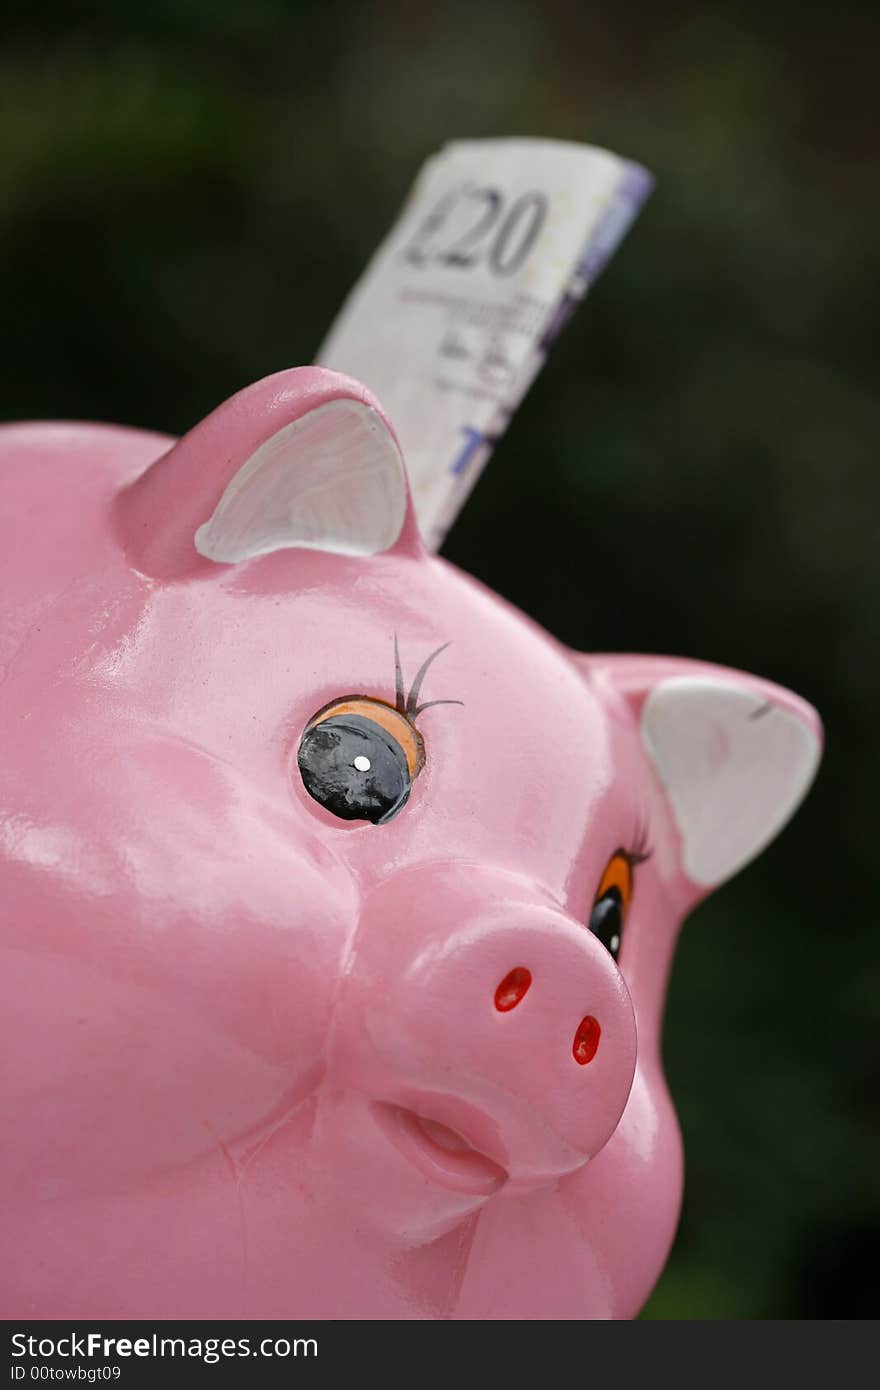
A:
{"x":453,"y":317}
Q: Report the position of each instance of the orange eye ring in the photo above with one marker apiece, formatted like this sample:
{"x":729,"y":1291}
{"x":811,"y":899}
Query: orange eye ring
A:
{"x":398,"y":725}
{"x":359,"y":755}
{"x":618,"y":874}
{"x":612,"y":900}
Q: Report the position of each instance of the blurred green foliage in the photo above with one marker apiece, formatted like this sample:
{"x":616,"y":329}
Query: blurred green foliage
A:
{"x":188,"y":190}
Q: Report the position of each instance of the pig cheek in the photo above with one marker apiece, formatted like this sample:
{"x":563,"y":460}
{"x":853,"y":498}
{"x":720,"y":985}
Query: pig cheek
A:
{"x":178,"y":1040}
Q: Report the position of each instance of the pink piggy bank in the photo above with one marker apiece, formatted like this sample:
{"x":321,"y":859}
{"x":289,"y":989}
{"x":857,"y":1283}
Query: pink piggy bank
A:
{"x":338,"y":899}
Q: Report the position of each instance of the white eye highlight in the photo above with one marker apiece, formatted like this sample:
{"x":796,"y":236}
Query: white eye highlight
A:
{"x":362,"y":764}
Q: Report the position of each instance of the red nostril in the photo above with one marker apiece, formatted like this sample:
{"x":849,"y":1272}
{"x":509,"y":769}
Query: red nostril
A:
{"x":586,"y":1040}
{"x":512,"y":989}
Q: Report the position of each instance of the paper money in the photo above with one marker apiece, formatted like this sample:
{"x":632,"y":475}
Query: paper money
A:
{"x":455,"y":314}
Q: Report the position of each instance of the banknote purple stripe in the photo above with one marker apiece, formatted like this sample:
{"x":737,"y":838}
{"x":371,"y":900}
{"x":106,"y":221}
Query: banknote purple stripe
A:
{"x":616,"y":220}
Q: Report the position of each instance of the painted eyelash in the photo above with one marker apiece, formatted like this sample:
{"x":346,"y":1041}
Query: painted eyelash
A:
{"x":355,"y":735}
{"x":408,"y":705}
{"x":641,"y":847}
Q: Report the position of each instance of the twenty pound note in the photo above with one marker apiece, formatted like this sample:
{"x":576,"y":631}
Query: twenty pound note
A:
{"x":455,"y":314}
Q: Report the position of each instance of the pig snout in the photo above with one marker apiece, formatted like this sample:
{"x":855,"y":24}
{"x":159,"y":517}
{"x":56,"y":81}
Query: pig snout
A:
{"x":492,"y":1032}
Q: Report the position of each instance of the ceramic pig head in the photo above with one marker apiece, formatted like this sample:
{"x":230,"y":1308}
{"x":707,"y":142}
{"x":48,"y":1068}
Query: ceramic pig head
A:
{"x":338,"y":898}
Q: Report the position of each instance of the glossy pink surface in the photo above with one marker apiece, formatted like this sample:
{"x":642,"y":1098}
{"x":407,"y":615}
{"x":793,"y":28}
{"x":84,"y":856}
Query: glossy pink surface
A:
{"x":251,"y":1060}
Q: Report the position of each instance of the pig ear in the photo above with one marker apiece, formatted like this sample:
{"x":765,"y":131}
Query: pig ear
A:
{"x":735,"y":754}
{"x":332,"y":480}
{"x":305,"y":459}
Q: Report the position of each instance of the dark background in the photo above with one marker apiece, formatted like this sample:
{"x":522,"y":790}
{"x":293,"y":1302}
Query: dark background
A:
{"x":187,"y":191}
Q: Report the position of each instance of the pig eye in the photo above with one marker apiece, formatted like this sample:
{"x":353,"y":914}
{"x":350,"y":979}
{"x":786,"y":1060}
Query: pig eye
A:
{"x":612,"y":900}
{"x":358,"y":758}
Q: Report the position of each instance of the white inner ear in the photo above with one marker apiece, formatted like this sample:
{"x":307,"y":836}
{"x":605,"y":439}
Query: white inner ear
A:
{"x":333,"y":480}
{"x":734,"y":768}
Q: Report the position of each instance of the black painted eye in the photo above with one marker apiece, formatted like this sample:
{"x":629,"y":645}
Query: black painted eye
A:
{"x":359,"y":755}
{"x":606,"y":920}
{"x":612,"y":900}
{"x":355,"y":768}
